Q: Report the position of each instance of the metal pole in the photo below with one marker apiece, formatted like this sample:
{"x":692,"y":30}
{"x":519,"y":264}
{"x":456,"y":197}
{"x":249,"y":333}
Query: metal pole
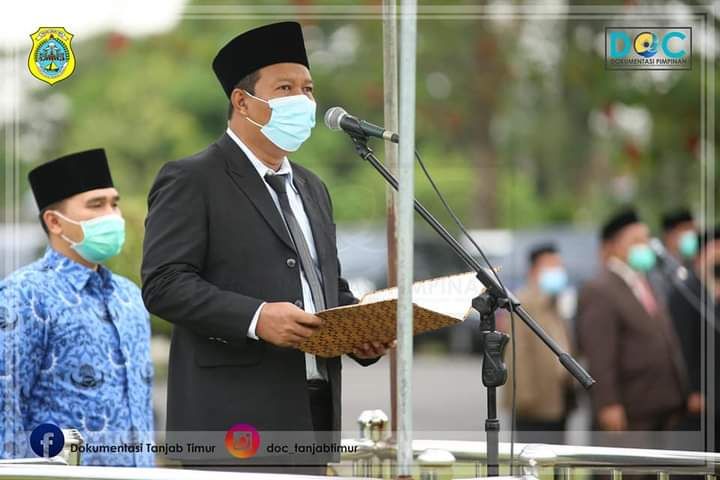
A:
{"x":405,"y":222}
{"x":390,"y":73}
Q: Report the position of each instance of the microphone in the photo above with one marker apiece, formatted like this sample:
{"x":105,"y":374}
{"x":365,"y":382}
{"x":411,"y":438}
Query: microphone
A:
{"x":336,"y":118}
{"x":674,"y":268}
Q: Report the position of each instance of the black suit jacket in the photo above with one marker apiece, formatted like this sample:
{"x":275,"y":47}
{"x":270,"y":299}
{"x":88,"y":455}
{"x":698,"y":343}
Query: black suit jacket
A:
{"x":215,"y":248}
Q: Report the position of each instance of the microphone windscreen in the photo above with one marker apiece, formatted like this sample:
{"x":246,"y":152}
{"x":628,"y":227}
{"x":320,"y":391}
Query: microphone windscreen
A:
{"x":333,"y":117}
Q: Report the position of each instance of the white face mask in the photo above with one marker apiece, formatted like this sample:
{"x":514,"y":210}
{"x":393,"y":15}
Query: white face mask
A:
{"x":291,"y":121}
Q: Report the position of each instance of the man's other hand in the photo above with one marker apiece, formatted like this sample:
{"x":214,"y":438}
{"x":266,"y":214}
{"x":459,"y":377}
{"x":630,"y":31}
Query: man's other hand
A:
{"x":612,"y":418}
{"x":373,"y":349}
{"x":285,"y":325}
{"x":695,"y":404}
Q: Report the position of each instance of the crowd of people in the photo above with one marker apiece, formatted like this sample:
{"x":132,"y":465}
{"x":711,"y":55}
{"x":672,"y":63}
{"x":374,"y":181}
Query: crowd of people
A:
{"x":643,"y":326}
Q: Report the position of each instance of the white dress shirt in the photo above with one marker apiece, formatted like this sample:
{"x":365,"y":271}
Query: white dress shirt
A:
{"x":296,"y":205}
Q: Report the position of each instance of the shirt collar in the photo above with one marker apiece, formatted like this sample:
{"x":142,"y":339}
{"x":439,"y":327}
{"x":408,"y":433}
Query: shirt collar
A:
{"x":623,"y":270}
{"x":260,"y":167}
{"x":75,"y":273}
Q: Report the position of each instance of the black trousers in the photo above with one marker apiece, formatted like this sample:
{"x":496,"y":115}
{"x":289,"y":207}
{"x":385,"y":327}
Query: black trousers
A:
{"x":320,"y":405}
{"x":532,"y":430}
{"x":321,"y":411}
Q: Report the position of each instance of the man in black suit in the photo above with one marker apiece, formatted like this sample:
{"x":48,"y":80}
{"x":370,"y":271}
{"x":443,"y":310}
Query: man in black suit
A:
{"x":239,"y":253}
{"x":703,"y":283}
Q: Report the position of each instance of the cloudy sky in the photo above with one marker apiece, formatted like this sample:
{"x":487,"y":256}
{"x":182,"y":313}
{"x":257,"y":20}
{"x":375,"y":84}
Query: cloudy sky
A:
{"x":86,"y":18}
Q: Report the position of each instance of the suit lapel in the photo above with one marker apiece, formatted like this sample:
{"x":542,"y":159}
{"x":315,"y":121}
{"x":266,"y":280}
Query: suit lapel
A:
{"x":318,"y":225}
{"x":628,"y":297}
{"x":246,"y":178}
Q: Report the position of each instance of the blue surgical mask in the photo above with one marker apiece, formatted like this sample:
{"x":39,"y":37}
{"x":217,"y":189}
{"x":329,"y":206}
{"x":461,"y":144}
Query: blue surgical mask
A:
{"x":553,"y":280}
{"x":641,"y":258}
{"x":688,"y":244}
{"x":291,"y":120}
{"x":103,"y":237}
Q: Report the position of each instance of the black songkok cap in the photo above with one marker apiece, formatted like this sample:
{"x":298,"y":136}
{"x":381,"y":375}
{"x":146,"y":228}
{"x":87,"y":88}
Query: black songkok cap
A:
{"x":69,"y":175}
{"x":267,"y":45}
{"x":671,"y":219}
{"x":541,"y":249}
{"x":617,"y":222}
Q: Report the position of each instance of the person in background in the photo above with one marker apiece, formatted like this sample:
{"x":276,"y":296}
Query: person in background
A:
{"x":544,"y":392}
{"x":679,"y":239}
{"x":690,"y":323}
{"x":76,"y":336}
{"x":627,"y":337}
{"x":679,"y":235}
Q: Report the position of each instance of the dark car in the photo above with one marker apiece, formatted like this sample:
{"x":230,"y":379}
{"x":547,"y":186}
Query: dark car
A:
{"x":363,"y":254}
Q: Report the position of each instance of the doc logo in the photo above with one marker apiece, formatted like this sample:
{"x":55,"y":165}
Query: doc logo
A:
{"x":242,"y":440}
{"x":645,"y":44}
{"x":648,"y":49}
{"x":51,"y":58}
{"x":47,"y":440}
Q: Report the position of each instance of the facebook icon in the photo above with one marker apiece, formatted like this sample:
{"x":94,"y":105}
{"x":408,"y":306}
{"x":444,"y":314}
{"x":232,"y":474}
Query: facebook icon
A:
{"x":47,"y":440}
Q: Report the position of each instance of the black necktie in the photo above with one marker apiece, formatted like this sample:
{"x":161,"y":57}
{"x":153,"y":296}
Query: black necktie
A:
{"x":309,"y":268}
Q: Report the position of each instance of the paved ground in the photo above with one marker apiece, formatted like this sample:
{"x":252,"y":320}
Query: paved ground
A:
{"x":448,"y":396}
{"x":447,"y":391}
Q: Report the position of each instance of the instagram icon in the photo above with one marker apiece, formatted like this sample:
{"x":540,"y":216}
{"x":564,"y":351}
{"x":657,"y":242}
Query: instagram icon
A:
{"x":242,"y":440}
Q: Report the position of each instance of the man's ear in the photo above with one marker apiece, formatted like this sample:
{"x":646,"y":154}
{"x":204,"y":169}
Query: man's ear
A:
{"x":239,"y":101}
{"x":52,"y":222}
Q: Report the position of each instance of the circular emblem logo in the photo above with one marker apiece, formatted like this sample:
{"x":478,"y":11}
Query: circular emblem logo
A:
{"x":51,"y":57}
{"x":645,"y":44}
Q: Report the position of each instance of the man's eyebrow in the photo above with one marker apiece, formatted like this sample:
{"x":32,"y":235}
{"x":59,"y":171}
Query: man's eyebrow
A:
{"x":101,"y":198}
{"x":291,"y":80}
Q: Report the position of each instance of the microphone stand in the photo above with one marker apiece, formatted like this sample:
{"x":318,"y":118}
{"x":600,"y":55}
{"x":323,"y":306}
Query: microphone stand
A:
{"x":494,"y":371}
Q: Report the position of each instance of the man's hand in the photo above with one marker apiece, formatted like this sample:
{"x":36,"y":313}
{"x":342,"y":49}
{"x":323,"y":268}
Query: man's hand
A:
{"x":612,"y":418}
{"x":285,"y":325}
{"x":373,"y":349}
{"x":695,"y":404}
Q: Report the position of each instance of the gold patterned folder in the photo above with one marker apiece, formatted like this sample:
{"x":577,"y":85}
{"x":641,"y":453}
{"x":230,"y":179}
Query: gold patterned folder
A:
{"x":437,"y":303}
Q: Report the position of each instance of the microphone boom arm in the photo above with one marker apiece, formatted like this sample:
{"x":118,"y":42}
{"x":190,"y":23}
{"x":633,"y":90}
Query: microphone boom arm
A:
{"x":494,"y":290}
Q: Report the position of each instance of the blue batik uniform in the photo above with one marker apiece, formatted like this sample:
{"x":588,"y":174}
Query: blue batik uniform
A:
{"x":75,"y":351}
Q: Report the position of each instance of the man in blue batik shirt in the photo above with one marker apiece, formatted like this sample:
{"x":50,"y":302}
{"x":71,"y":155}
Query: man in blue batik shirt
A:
{"x":74,"y":337}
